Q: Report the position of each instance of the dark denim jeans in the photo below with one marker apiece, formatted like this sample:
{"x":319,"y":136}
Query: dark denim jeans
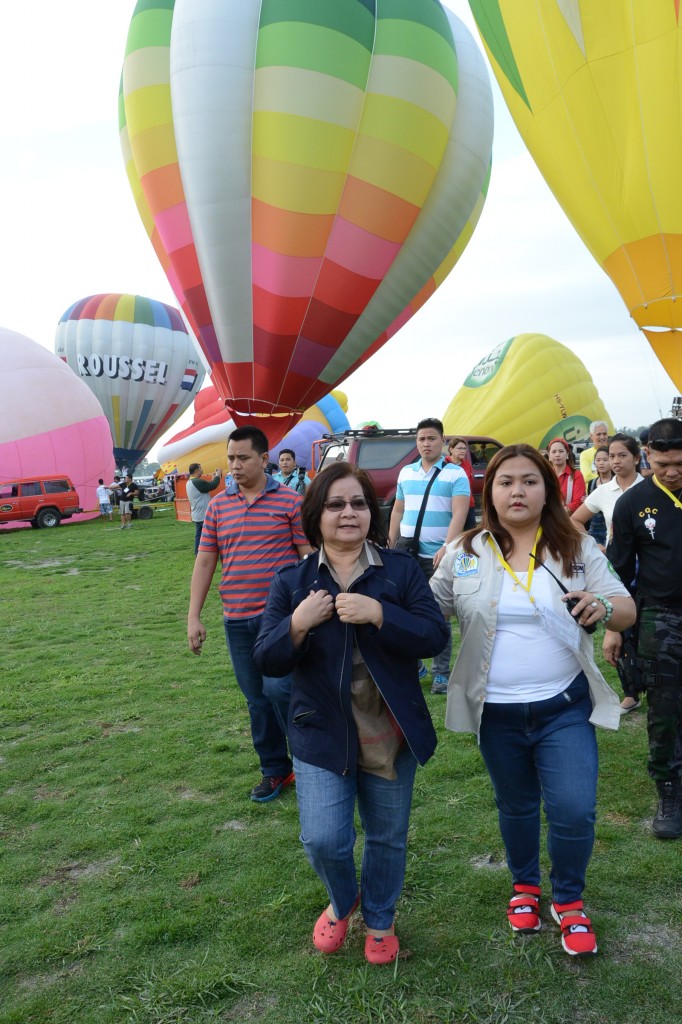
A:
{"x":326,"y":804}
{"x":198,"y":528}
{"x":440,"y":666}
{"x":546,"y":750}
{"x":267,"y":698}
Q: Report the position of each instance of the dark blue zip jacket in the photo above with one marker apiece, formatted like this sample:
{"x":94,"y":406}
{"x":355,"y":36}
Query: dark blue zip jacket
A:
{"x":321,"y":726}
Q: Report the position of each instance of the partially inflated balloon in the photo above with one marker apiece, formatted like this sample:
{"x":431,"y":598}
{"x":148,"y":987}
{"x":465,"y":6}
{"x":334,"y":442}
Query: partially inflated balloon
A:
{"x":136,"y":356}
{"x":308,"y":174}
{"x":531,"y":388}
{"x":50,"y":422}
{"x":205,"y":441}
{"x":594,"y":88}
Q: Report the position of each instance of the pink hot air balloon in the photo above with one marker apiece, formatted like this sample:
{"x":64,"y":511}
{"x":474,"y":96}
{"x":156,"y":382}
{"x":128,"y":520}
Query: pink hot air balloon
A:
{"x":50,"y":422}
{"x":308,"y":175}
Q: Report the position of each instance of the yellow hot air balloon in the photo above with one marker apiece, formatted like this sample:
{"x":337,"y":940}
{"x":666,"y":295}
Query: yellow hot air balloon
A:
{"x":594,"y":87}
{"x":530,"y":388}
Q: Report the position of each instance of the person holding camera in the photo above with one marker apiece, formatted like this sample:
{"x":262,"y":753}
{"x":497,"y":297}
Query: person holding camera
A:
{"x":522,"y":584}
{"x":290,"y":474}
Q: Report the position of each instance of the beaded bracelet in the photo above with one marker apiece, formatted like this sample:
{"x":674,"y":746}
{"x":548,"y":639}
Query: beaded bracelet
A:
{"x":608,"y":605}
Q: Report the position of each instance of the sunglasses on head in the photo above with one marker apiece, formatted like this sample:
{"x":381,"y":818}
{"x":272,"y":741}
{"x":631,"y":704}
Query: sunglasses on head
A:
{"x":338,"y":504}
{"x":666,"y":444}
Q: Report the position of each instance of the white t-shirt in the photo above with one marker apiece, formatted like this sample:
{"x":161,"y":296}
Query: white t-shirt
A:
{"x":604,"y":497}
{"x":528,"y":662}
{"x":103,"y":495}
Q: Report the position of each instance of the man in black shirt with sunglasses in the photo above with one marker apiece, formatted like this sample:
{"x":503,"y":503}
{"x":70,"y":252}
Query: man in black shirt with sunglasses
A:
{"x":647,"y":538}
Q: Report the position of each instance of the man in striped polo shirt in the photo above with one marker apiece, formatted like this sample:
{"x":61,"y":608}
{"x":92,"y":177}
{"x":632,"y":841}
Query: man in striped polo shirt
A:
{"x":446,"y":510}
{"x":254,"y":526}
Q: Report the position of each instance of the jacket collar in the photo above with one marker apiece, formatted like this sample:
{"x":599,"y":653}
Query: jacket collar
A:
{"x":232,"y":487}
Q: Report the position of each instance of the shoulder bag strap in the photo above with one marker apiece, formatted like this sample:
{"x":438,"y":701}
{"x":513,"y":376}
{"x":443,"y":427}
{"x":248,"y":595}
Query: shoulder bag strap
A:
{"x":422,"y":510}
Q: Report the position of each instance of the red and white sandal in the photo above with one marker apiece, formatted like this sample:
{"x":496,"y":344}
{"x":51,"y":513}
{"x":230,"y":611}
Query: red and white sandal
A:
{"x":524,"y":909}
{"x":577,"y":933}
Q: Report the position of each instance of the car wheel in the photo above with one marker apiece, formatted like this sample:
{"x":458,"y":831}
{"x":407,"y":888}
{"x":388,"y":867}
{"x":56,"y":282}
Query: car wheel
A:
{"x":47,"y":518}
{"x":145,"y":512}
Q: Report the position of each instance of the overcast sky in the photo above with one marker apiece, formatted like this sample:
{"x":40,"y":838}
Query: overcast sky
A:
{"x":69,"y":228}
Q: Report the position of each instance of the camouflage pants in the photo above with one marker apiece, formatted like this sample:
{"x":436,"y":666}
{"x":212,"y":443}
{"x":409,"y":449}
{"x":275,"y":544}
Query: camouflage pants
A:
{"x":660,"y":651}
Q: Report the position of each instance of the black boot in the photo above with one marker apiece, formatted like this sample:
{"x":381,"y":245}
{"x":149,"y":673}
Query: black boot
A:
{"x":667,"y":823}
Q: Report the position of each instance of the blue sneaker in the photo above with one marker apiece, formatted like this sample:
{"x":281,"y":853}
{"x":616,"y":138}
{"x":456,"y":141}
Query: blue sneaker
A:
{"x":440,"y":684}
{"x":423,"y":670}
{"x":270,"y":786}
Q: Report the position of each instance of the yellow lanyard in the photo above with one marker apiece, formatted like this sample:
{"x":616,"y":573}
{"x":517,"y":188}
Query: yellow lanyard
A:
{"x":675,"y":501}
{"x":531,"y":565}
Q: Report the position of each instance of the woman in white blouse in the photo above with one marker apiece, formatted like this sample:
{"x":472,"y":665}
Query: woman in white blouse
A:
{"x":525,"y":679}
{"x":624,"y":459}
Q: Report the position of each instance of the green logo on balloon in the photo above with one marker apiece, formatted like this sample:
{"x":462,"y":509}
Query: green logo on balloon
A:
{"x":485,"y":370}
{"x":573,"y":428}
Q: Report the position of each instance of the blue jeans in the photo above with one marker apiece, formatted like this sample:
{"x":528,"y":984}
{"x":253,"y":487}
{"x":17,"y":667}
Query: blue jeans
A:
{"x":198,"y":527}
{"x":545,"y":750}
{"x":326,"y":805}
{"x":267,"y":698}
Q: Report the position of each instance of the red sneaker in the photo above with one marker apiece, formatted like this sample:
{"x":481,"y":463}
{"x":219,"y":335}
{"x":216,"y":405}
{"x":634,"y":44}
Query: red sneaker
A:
{"x":524,"y":909}
{"x":270,"y":786}
{"x":577,"y":933}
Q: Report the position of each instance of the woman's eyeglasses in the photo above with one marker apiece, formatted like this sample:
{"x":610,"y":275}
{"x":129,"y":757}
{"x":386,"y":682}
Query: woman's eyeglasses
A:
{"x":338,"y":504}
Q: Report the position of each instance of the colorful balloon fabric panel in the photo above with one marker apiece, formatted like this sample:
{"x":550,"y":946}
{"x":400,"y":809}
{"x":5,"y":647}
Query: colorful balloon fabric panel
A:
{"x":310,"y":170}
{"x":530,"y":389}
{"x":594,"y":88}
{"x":136,"y":356}
{"x":50,"y":422}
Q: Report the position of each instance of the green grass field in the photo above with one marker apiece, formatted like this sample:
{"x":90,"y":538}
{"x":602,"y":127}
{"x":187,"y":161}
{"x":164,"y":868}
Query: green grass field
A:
{"x":138,"y":883}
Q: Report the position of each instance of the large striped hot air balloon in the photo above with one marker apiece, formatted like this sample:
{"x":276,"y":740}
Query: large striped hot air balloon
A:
{"x":136,"y":356}
{"x":594,"y":87}
{"x":308,"y":174}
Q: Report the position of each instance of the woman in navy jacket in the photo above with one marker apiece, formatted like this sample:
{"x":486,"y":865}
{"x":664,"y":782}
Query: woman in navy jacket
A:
{"x":350,"y":622}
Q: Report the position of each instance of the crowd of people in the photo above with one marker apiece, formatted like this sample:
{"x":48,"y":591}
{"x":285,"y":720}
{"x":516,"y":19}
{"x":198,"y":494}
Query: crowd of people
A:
{"x":329,"y":619}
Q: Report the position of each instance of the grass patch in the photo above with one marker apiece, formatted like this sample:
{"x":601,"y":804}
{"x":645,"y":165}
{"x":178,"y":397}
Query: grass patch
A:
{"x":138,"y":883}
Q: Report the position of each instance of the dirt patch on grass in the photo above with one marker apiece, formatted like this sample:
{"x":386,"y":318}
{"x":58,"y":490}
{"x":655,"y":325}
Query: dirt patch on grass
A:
{"x":111,"y":728}
{"x":251,"y":1008}
{"x":76,"y":871}
{"x":34,"y":982}
{"x":651,"y":942}
{"x":190,"y":881}
{"x":615,"y":818}
{"x":52,"y":563}
{"x":233,"y":826}
{"x":183,"y":793}
{"x":45,"y":793}
{"x":64,"y":904}
{"x":487,"y":862}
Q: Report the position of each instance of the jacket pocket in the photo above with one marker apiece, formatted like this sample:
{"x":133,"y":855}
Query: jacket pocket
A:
{"x":308,"y":732}
{"x":463,"y":585}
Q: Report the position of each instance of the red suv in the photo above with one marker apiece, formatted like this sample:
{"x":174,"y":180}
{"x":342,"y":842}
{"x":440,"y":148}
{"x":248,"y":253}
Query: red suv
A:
{"x":41,"y":500}
{"x":383,"y":453}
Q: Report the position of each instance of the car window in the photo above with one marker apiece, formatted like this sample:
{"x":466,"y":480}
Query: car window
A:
{"x":334,"y":453}
{"x":482,"y":453}
{"x":9,"y":491}
{"x":384,"y":454}
{"x":56,"y":486}
{"x":30,"y":489}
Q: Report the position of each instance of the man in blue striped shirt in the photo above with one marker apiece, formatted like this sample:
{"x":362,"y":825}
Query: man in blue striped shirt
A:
{"x":446,"y":509}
